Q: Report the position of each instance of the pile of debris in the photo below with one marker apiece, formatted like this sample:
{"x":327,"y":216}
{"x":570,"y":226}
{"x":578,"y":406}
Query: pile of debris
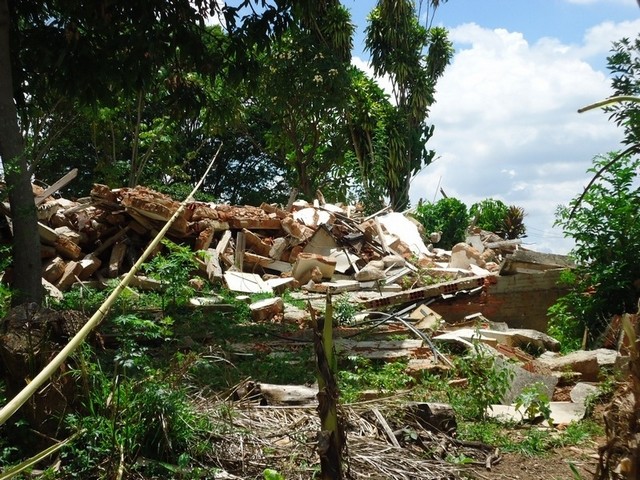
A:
{"x":318,"y":247}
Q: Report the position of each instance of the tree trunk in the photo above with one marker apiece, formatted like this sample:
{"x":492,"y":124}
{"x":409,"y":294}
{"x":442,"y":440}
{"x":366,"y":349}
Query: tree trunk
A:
{"x":27,"y":283}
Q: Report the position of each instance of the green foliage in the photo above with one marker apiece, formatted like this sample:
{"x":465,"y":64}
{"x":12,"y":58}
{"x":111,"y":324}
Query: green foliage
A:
{"x":174,"y":271}
{"x":565,"y":326}
{"x":344,"y":310}
{"x":364,"y":374}
{"x":494,"y":216}
{"x":139,"y":410}
{"x":447,"y":215}
{"x":489,"y":214}
{"x":535,"y":402}
{"x":606,"y":231}
{"x":487,"y":382}
{"x":270,"y":474}
{"x":513,"y":224}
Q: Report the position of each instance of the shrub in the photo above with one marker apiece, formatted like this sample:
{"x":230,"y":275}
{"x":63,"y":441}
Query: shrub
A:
{"x":448,"y":215}
{"x":605,"y":225}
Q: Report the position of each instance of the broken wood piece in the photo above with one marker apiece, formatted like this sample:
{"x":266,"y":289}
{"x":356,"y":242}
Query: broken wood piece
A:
{"x":67,"y":248}
{"x":286,"y":394}
{"x":255,"y":223}
{"x":68,"y":278}
{"x":221,"y":248}
{"x":279,"y":213}
{"x":212,"y":265}
{"x":76,"y":237}
{"x":53,"y":269}
{"x":385,"y":427}
{"x":239,"y":254}
{"x":110,"y":241}
{"x":56,"y":186}
{"x":204,"y":238}
{"x":90,"y":264}
{"x":266,"y":309}
{"x":51,"y":290}
{"x":116,"y":258}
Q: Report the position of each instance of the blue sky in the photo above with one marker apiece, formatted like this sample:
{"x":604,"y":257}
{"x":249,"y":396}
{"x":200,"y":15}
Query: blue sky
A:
{"x":505,"y":115}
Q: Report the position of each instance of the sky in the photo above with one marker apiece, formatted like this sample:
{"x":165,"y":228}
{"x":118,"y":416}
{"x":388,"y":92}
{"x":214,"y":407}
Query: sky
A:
{"x":506,"y":121}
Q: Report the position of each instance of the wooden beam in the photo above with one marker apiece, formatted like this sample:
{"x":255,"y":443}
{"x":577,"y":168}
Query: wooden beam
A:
{"x":56,"y":186}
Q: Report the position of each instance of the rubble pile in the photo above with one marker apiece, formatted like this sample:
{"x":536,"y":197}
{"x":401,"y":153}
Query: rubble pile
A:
{"x":316,"y":247}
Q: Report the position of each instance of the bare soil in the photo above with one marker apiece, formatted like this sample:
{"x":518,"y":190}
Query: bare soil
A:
{"x":553,"y":466}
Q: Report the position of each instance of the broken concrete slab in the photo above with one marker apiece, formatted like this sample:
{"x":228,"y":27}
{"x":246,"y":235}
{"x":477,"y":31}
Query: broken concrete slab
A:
{"x":246,"y":282}
{"x":562,"y":413}
{"x":306,"y":262}
{"x":266,"y":309}
{"x":406,"y":229}
{"x":589,"y":363}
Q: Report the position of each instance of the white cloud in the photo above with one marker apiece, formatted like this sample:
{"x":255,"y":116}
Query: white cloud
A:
{"x":507,"y":125}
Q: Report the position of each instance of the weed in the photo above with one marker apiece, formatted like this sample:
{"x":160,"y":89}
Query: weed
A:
{"x":535,"y":442}
{"x":487,"y":383}
{"x":577,"y":433}
{"x":344,"y":310}
{"x":535,"y":402}
{"x":365,"y":374}
{"x":174,"y":270}
{"x":272,"y":475}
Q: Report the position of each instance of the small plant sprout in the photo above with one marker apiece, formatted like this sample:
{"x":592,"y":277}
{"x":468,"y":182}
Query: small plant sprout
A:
{"x":534,"y":402}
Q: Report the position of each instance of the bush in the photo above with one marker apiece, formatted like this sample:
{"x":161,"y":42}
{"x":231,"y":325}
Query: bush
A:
{"x":449,"y":216}
{"x":606,"y":228}
{"x":489,"y":214}
{"x":494,"y":216}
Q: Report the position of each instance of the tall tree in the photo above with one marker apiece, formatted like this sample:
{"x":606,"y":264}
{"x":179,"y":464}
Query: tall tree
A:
{"x":27,"y":283}
{"x":397,"y":43}
{"x":303,"y":91}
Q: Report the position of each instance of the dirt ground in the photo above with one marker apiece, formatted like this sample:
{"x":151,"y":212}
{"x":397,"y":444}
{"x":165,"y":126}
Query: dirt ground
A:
{"x":554,"y":466}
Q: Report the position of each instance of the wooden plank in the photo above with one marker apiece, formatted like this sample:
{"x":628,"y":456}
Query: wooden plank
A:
{"x":115,"y":260}
{"x":212,"y":266}
{"x":69,"y":276}
{"x":204,"y":239}
{"x":222,"y":247}
{"x":279,"y":213}
{"x":239,"y":256}
{"x":57,"y":186}
{"x":110,"y":241}
{"x":53,"y":269}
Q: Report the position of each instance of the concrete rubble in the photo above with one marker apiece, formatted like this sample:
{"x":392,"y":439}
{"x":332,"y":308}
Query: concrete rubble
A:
{"x":486,"y":290}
